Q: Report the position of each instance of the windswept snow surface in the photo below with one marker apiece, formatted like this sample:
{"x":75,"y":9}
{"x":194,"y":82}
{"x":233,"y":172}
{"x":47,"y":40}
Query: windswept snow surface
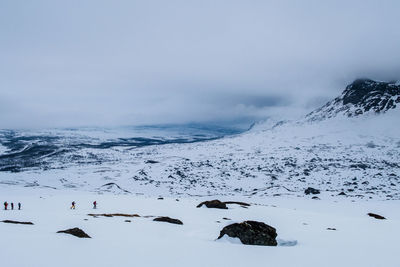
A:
{"x":358,"y":240}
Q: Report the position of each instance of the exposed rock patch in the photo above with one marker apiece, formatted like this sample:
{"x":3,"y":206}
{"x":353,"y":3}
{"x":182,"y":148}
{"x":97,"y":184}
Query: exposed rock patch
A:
{"x":312,"y":191}
{"x":251,"y":233}
{"x":16,"y":222}
{"x":216,"y":204}
{"x":376,"y":216}
{"x":168,"y":220}
{"x":75,"y":232}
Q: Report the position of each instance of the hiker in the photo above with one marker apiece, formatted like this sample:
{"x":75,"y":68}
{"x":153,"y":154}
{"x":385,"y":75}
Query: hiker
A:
{"x":5,"y":205}
{"x":12,"y":205}
{"x":73,"y":205}
{"x":19,"y":206}
{"x":94,"y":205}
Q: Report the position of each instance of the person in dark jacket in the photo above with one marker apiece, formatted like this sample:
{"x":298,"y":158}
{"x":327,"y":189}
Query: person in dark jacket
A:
{"x":19,"y":206}
{"x":73,"y":205}
{"x":12,"y":205}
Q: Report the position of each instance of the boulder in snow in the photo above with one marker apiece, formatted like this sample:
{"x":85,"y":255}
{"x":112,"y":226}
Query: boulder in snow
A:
{"x":16,"y":222}
{"x":311,"y":190}
{"x":75,"y":232}
{"x":251,"y":233}
{"x":376,"y":216}
{"x":168,"y":220}
{"x":216,"y":204}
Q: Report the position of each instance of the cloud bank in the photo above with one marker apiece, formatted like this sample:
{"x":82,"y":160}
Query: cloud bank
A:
{"x":75,"y":63}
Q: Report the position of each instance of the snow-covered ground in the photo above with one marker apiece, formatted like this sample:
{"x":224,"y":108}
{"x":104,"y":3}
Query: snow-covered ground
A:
{"x":354,"y":162}
{"x":301,"y":224}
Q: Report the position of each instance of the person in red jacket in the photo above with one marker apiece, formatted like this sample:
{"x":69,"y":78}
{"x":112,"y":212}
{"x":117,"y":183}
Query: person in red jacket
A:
{"x":94,"y":205}
{"x":5,"y":205}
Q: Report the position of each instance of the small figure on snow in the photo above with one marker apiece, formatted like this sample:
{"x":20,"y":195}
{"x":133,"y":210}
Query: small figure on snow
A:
{"x":73,"y":205}
{"x":19,"y":206}
{"x":94,"y":205}
{"x":5,"y":205}
{"x":12,"y":205}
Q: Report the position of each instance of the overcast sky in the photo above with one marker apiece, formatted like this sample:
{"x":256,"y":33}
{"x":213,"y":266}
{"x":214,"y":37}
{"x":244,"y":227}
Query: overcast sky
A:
{"x":74,"y":63}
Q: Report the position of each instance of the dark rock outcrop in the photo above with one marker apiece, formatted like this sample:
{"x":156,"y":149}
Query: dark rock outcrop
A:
{"x":216,"y":204}
{"x":376,"y":216}
{"x":150,"y":161}
{"x":251,"y":233}
{"x":75,"y":232}
{"x":168,"y":220}
{"x":17,"y":222}
{"x":311,"y":190}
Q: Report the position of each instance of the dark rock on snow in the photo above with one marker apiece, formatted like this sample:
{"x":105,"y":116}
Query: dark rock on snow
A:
{"x":251,"y":233}
{"x":75,"y":232}
{"x":150,"y":161}
{"x":221,"y":205}
{"x":311,"y":190}
{"x":16,"y":222}
{"x":213,"y":204}
{"x":376,"y":216}
{"x":168,"y":220}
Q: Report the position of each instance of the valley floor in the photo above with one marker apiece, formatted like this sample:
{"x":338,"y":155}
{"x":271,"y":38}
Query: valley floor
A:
{"x":301,"y":223}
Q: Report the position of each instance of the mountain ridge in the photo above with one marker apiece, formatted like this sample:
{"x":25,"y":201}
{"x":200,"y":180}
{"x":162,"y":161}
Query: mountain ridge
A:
{"x":360,"y":97}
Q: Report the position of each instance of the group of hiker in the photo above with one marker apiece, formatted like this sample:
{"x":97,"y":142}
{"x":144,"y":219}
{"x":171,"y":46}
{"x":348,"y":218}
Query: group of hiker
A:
{"x":73,"y":205}
{"x":20,"y":206}
{"x":12,"y":205}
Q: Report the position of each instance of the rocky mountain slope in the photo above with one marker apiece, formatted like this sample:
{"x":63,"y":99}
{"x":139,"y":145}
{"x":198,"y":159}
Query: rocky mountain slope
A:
{"x":360,"y":97}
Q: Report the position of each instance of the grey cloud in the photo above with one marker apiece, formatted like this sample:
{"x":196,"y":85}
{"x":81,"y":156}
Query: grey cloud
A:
{"x":133,"y":62}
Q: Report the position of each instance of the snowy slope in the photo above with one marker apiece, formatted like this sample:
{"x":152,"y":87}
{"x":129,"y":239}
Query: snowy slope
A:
{"x":358,"y":240}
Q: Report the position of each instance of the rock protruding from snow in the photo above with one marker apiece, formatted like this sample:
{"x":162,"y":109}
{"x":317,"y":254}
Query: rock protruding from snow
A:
{"x":251,"y":233}
{"x":311,"y":190}
{"x":216,"y":204}
{"x":17,"y":222}
{"x":168,"y":220}
{"x":376,"y":216}
{"x":361,"y":96}
{"x":75,"y":232}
